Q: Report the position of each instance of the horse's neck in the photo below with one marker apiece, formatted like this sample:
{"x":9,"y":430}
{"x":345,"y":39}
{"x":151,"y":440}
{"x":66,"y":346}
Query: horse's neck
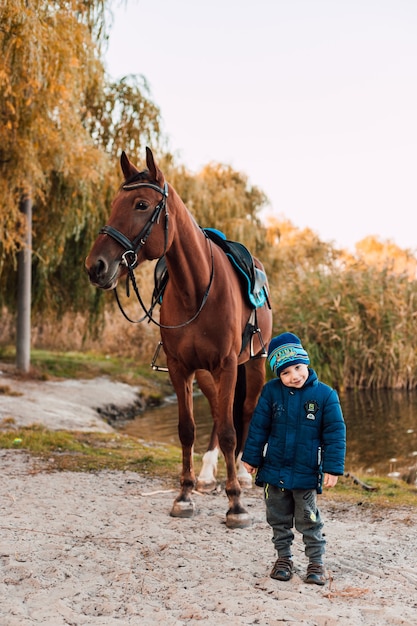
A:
{"x":189,"y":257}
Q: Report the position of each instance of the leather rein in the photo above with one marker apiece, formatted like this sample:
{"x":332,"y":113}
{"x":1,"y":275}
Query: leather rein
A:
{"x":132,"y":248}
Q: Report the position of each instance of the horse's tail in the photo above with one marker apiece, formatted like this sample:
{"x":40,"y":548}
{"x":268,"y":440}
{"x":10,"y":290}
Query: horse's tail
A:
{"x":239,"y":399}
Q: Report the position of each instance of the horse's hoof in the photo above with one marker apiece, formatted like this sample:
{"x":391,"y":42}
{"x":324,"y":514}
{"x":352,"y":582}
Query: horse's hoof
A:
{"x":206,"y":487}
{"x":238,"y":520}
{"x":183,"y":509}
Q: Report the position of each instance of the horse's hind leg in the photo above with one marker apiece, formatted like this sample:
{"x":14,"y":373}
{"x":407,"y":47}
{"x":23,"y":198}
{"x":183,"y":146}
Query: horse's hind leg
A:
{"x":206,"y":481}
{"x":236,"y":516}
{"x":255,"y":378}
{"x":183,"y":505}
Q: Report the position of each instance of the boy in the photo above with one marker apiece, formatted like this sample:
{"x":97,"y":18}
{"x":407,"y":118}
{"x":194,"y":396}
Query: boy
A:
{"x":295,"y":445}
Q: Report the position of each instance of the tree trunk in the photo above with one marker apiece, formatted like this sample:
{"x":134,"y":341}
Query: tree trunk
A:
{"x":24,"y":284}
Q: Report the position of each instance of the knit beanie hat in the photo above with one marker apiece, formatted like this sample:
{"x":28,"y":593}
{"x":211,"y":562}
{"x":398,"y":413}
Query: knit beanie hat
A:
{"x":285,"y":350}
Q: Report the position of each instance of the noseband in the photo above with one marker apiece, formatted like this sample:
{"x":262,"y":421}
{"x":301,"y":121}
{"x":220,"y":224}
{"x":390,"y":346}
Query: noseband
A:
{"x":130,"y":255}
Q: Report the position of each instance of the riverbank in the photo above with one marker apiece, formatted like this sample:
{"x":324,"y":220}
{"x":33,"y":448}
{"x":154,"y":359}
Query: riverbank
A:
{"x":101,"y":548}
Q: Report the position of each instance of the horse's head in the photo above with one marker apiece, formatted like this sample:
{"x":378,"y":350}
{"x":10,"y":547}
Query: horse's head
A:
{"x":137,"y":227}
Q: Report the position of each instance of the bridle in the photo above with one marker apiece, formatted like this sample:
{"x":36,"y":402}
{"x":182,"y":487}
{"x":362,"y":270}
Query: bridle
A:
{"x":132,"y":248}
{"x":130,"y":256}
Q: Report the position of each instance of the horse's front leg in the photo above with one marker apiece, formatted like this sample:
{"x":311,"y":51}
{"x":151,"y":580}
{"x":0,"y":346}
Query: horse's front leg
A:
{"x":183,"y":505}
{"x":236,"y":516}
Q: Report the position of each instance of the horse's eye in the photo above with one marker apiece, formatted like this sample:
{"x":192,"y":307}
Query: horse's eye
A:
{"x":141,"y":205}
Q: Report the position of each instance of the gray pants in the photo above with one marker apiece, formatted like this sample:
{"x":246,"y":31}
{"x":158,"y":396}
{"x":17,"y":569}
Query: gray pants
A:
{"x":285,"y":509}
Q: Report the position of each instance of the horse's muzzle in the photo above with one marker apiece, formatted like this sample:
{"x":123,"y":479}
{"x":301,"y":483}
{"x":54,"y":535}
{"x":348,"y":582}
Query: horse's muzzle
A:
{"x":102,"y":275}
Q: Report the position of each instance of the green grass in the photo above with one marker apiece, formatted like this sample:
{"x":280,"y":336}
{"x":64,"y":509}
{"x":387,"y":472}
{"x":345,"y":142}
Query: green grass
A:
{"x":47,"y":365}
{"x":385,"y":492}
{"x":92,"y":452}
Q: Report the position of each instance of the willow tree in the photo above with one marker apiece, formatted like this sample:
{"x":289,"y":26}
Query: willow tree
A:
{"x":61,"y":123}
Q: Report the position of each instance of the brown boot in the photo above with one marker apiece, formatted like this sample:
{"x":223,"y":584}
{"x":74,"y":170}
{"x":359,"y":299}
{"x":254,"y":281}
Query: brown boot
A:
{"x":282,"y":569}
{"x":315,"y":574}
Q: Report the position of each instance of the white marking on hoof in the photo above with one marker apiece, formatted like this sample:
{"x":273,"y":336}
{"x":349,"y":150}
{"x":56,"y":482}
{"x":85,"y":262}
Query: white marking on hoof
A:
{"x":245,"y":481}
{"x":207,"y":477}
{"x":243,"y":476}
{"x":183,"y":509}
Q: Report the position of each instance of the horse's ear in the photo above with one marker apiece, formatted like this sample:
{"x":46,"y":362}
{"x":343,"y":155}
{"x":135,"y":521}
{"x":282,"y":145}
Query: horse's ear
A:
{"x":154,"y":170}
{"x":128,"y":168}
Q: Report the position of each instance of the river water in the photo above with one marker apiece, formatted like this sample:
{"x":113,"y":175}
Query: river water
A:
{"x":381,"y":428}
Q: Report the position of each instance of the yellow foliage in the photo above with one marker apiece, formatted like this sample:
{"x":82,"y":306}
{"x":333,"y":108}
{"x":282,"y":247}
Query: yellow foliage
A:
{"x":386,"y":255}
{"x":42,"y":92}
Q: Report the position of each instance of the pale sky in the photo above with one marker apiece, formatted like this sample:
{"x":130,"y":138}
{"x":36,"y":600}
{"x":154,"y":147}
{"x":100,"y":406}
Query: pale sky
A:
{"x":314,"y":100}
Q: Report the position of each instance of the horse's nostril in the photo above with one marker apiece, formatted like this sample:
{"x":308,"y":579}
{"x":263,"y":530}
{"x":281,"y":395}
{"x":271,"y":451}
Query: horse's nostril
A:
{"x":100,"y":267}
{"x":96,"y":270}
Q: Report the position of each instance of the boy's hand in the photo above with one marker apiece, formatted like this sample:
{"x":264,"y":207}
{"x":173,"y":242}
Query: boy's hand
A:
{"x":329,"y":480}
{"x":249,"y":468}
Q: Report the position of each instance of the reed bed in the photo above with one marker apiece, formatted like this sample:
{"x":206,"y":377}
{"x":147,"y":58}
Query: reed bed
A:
{"x":357,"y":320}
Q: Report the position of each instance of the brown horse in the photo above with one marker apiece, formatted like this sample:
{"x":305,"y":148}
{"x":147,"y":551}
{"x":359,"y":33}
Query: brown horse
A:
{"x":204,"y":319}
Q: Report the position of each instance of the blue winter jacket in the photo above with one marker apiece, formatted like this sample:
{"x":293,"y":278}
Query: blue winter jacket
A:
{"x":296,"y":435}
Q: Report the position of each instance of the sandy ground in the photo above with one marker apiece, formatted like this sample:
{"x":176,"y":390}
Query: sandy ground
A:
{"x":102,"y":549}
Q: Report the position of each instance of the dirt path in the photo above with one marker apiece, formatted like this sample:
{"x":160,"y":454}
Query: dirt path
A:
{"x":101,"y":549}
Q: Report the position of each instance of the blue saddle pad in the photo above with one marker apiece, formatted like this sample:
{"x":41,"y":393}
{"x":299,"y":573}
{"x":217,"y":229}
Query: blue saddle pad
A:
{"x":252,"y":278}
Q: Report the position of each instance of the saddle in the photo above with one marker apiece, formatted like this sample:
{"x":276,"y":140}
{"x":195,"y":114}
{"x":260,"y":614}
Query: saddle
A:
{"x":253,"y":280}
